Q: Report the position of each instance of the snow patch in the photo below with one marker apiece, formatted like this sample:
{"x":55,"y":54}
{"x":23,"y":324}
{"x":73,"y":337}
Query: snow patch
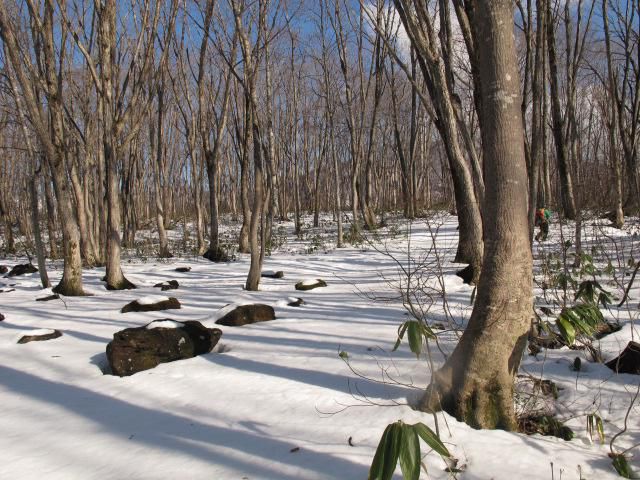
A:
{"x":40,"y":331}
{"x":164,"y":324}
{"x":151,"y":299}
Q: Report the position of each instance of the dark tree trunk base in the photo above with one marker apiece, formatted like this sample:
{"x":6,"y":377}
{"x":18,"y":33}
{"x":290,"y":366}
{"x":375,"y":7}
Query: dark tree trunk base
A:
{"x":468,"y":275}
{"x":69,"y":290}
{"x":124,"y":284}
{"x":480,"y":404}
{"x":216,"y":254}
{"x":628,"y":361}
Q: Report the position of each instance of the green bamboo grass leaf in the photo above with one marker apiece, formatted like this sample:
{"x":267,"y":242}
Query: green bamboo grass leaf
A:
{"x":401,"y":331}
{"x":410,"y":453}
{"x":583,"y":326}
{"x":566,"y":329}
{"x":431,"y":439}
{"x":387,"y":453}
{"x":621,"y":465}
{"x":375,"y":472}
{"x":600,"y":428}
{"x":415,"y":337}
{"x":595,"y":426}
{"x":605,"y":299}
{"x":426,"y":331}
{"x":393,"y":451}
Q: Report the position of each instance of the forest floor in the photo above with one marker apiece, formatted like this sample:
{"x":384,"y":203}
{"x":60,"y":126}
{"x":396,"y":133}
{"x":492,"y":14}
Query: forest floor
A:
{"x":276,"y":400}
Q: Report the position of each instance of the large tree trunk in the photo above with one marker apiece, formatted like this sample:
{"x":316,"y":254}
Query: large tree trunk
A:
{"x":129,"y":196}
{"x":559,"y":124}
{"x":612,"y":124}
{"x":86,"y":240}
{"x":10,"y":246}
{"x":476,"y":383}
{"x":114,"y":276}
{"x":252,"y":138}
{"x":37,"y":234}
{"x":329,"y":113}
{"x":214,"y":252}
{"x":196,"y":176}
{"x":437,"y":75}
{"x":338,"y":204}
{"x":255,"y":269}
{"x":157,"y":141}
{"x":33,"y":187}
{"x":537,"y":124}
{"x":270,"y":152}
{"x":243,"y":243}
{"x":71,"y":282}
{"x":51,"y":218}
{"x":51,"y":134}
{"x":107,"y":43}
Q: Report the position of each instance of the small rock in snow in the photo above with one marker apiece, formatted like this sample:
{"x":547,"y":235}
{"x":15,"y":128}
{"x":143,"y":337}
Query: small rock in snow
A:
{"x":151,"y":304}
{"x":310,"y":284}
{"x":40,"y":335}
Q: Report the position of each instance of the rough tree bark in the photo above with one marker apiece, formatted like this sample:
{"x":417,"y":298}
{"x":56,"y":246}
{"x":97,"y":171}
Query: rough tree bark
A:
{"x":158,"y":144}
{"x":107,"y":44}
{"x":211,"y":147}
{"x":559,"y":122}
{"x":33,"y":184}
{"x":48,"y":125}
{"x":476,"y":382}
{"x":421,"y":31}
{"x":253,"y":136}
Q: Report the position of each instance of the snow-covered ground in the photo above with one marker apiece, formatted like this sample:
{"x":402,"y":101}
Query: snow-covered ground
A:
{"x":275,"y":400}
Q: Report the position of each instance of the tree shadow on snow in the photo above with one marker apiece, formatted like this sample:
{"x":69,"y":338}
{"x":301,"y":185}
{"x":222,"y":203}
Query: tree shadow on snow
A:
{"x":339,"y":383}
{"x":174,"y":433}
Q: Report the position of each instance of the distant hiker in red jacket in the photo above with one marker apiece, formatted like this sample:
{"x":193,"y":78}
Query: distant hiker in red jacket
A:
{"x":542,"y":221}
